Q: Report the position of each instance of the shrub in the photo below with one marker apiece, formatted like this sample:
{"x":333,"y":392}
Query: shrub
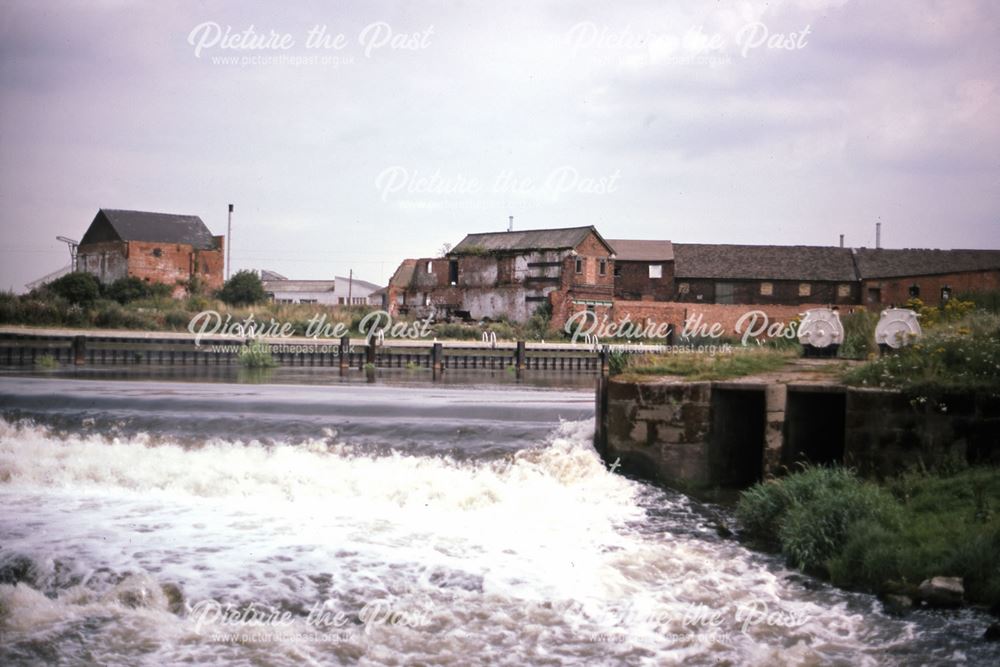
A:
{"x":244,"y":288}
{"x":78,"y":287}
{"x":762,"y":507}
{"x":257,"y":355}
{"x":126,"y":290}
{"x":816,"y":529}
{"x":112,"y":315}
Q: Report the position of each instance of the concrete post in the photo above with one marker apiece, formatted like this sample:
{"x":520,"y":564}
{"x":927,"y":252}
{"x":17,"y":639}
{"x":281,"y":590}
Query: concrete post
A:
{"x":521,"y":356}
{"x":775,"y":399}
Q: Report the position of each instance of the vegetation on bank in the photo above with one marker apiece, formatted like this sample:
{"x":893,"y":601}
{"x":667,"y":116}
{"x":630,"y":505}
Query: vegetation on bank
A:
{"x":883,"y":538}
{"x":702,"y":366}
{"x":956,"y":354}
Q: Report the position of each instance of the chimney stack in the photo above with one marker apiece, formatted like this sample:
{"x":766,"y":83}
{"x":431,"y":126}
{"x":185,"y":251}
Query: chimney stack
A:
{"x":510,"y":223}
{"x":229,"y":241}
{"x":878,"y":235}
{"x":841,"y":240}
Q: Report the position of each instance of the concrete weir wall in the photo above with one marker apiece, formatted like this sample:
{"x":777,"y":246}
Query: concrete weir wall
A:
{"x":732,"y":434}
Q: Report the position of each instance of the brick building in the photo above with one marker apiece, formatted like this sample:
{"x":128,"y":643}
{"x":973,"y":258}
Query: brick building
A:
{"x":890,"y":276}
{"x":764,"y":274}
{"x":155,"y":247}
{"x":509,"y":274}
{"x":644,"y":270}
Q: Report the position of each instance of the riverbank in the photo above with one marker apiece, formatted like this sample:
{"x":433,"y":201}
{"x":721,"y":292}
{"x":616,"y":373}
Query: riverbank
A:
{"x":892,"y":538}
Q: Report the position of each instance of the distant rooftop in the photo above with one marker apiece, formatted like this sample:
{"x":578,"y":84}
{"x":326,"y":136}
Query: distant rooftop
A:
{"x":890,"y":263}
{"x":763,"y":262}
{"x":635,"y":250}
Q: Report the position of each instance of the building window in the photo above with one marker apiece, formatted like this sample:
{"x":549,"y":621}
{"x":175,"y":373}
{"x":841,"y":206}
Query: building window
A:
{"x":579,"y":265}
{"x":341,"y":301}
{"x":805,"y":289}
{"x":429,"y":266}
{"x":453,"y":271}
{"x":724,"y":293}
{"x":602,"y":267}
{"x":157,"y":252}
{"x":655,"y":271}
{"x":914,"y":291}
{"x":683,"y":288}
{"x":767,"y":289}
{"x":843,"y":291}
{"x":618,"y":271}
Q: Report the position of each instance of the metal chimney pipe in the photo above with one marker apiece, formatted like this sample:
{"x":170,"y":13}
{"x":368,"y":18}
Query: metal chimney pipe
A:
{"x":841,"y":240}
{"x":229,"y":241}
{"x":878,"y":235}
{"x":510,"y":223}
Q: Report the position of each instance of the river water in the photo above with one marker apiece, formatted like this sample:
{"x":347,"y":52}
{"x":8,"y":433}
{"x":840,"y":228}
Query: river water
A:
{"x":157,"y":521}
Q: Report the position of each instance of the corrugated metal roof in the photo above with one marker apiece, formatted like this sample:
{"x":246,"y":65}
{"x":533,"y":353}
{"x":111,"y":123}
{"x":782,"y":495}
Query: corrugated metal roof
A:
{"x":299,"y":285}
{"x":763,"y":262}
{"x":530,"y":239}
{"x":636,"y":250}
{"x":360,"y":283}
{"x":891,"y":263}
{"x":113,"y":224}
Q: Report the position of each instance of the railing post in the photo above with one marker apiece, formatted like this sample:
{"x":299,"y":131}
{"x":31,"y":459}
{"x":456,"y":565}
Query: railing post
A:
{"x":345,"y":353}
{"x":437,"y":358}
{"x":521,"y":356}
{"x":79,"y":350}
{"x":602,"y":357}
{"x":370,"y":356}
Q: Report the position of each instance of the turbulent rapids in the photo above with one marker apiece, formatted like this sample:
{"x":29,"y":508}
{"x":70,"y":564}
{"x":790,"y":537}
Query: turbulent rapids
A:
{"x":158,"y":523}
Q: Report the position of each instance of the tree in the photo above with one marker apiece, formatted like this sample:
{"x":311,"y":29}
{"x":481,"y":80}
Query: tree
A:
{"x":244,"y":288}
{"x":79,"y":288}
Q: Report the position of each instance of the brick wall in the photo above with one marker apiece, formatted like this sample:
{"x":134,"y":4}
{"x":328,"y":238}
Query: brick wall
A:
{"x":633,"y":281}
{"x":897,"y":290}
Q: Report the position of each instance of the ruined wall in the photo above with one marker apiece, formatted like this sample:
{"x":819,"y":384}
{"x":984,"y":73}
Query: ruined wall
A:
{"x":897,"y":290}
{"x":107,"y":261}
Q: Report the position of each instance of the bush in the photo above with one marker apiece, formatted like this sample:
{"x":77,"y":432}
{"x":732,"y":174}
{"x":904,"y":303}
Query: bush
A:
{"x":112,"y":315}
{"x":815,"y":530}
{"x":126,"y":290}
{"x":244,"y":288}
{"x":78,"y":288}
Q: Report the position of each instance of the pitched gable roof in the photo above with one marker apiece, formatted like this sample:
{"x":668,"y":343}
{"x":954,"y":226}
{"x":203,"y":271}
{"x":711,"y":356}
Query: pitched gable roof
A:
{"x":634,"y":250}
{"x":763,"y":262}
{"x":891,"y":263}
{"x":118,"y":225}
{"x":530,"y":239}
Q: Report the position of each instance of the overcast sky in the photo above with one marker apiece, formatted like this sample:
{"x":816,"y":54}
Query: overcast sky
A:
{"x":413,"y":123}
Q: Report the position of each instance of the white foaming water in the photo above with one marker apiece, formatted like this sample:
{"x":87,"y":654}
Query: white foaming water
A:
{"x":540,"y":556}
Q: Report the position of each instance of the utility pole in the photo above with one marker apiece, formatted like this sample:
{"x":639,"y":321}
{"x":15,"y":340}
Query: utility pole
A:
{"x":350,"y":286}
{"x":229,"y":242}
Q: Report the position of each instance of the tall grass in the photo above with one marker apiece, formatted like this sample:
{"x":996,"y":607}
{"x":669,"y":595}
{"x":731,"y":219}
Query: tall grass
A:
{"x":883,"y":537}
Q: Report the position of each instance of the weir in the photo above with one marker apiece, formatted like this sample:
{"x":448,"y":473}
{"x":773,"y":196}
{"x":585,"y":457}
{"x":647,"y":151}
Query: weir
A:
{"x":732,"y":434}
